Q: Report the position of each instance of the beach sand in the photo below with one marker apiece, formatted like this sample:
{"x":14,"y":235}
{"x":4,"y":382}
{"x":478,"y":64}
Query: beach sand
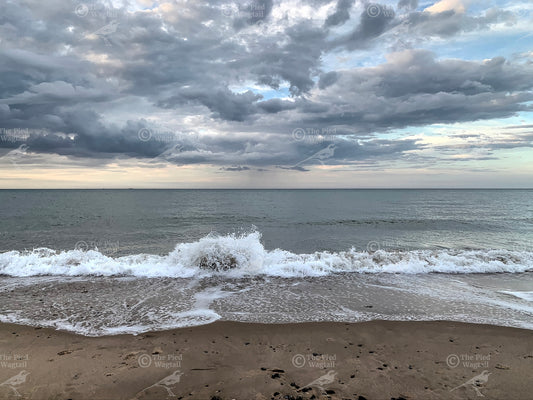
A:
{"x":228,"y":360}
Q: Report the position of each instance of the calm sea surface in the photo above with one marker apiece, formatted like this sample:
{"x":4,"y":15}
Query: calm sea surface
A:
{"x":153,"y":221}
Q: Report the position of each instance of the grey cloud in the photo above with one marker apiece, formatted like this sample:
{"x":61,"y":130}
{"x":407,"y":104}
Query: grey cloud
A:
{"x":378,"y":21}
{"x":414,"y":89}
{"x":235,"y":169}
{"x":519,"y":126}
{"x":327,"y":79}
{"x":372,"y":24}
{"x":448,"y":23}
{"x":47,"y":92}
{"x":341,"y":14}
{"x":276,"y":105}
{"x":252,"y":12}
{"x":408,"y":4}
{"x":57,"y":77}
{"x":224,"y":103}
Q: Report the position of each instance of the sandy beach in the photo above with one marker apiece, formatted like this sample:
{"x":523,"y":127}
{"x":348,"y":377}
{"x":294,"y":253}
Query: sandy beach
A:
{"x":228,"y":360}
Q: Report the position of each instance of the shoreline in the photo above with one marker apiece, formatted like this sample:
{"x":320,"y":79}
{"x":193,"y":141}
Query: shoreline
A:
{"x":235,"y":360}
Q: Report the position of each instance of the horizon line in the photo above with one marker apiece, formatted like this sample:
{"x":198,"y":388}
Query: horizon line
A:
{"x":340,"y":188}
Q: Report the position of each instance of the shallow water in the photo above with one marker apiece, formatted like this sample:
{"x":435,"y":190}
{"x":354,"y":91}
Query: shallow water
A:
{"x":98,"y":306}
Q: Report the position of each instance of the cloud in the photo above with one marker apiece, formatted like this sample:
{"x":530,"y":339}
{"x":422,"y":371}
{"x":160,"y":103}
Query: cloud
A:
{"x":408,"y":4}
{"x":341,"y":14}
{"x":457,"y":6}
{"x":450,"y":22}
{"x":224,"y":103}
{"x":327,"y":79}
{"x":235,"y":169}
{"x":414,"y":88}
{"x":372,"y":24}
{"x":241,"y":82}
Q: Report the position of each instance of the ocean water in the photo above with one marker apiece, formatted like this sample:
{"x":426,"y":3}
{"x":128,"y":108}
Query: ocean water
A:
{"x":102,"y":262}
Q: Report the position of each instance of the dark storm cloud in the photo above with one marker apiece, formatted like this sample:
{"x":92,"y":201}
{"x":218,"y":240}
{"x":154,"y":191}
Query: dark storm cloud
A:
{"x":65,"y":72}
{"x":378,"y":20}
{"x":375,"y":20}
{"x":413,"y":89}
{"x":341,"y":14}
{"x":224,"y":103}
{"x":273,"y":106}
{"x":297,"y":61}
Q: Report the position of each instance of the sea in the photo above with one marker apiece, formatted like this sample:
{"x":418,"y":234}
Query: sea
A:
{"x":106,"y":262}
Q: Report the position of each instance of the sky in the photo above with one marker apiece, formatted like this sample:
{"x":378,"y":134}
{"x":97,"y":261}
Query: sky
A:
{"x":266,"y":94}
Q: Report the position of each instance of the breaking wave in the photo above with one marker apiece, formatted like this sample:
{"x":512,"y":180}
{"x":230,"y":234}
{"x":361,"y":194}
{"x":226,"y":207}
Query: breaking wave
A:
{"x":244,"y":255}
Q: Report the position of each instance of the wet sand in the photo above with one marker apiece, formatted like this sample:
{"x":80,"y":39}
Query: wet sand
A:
{"x":230,"y":360}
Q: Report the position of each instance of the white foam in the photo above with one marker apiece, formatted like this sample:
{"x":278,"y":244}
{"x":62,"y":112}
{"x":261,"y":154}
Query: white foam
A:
{"x":237,"y":256}
{"x":528,"y":296}
{"x":182,"y":320}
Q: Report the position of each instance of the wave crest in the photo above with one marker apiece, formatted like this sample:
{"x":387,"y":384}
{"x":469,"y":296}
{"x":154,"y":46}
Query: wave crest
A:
{"x":244,"y":255}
